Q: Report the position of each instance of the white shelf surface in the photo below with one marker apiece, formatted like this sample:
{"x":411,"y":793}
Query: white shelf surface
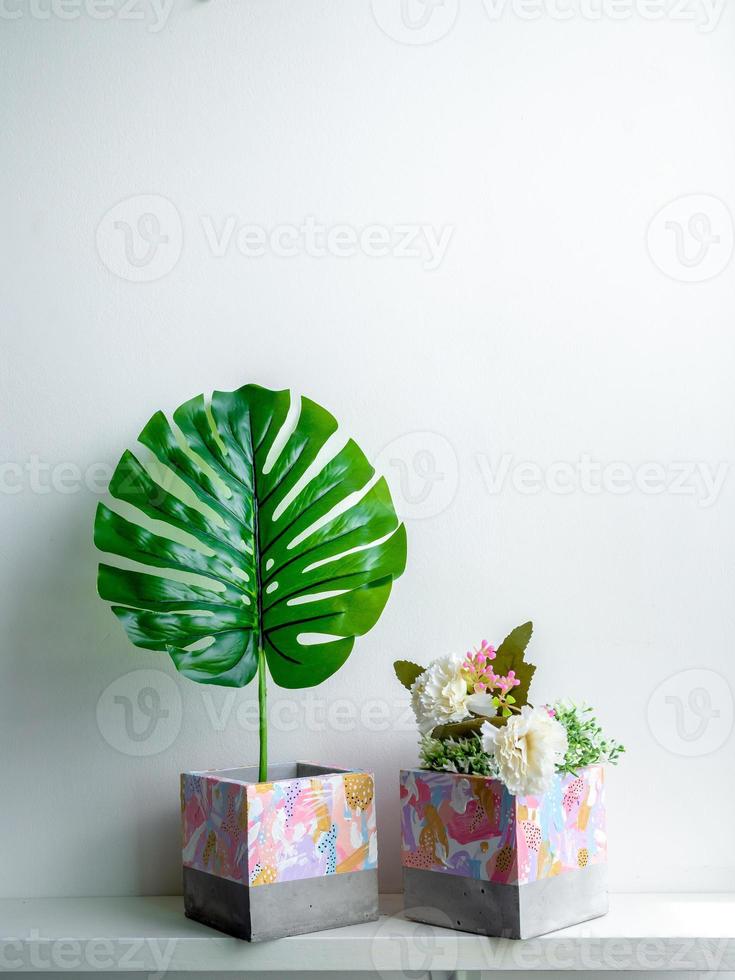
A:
{"x":652,"y":933}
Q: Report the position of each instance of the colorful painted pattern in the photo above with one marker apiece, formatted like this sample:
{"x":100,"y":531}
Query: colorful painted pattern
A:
{"x":260,"y":833}
{"x":472,"y":826}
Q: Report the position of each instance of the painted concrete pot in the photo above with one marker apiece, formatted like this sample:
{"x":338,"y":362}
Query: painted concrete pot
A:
{"x":293,"y":855}
{"x":478,"y":859}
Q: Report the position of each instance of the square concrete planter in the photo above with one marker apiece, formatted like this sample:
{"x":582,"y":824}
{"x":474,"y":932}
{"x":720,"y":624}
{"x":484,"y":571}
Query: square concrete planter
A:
{"x":296,"y":854}
{"x":478,"y":859}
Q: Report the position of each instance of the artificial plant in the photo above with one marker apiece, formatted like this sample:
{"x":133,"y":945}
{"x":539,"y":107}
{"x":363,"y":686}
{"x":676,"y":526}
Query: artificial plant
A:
{"x":474,"y":717}
{"x":509,"y":659}
{"x":282,"y":552}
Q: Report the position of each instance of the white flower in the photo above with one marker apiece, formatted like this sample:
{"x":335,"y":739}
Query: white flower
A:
{"x":489,"y":734}
{"x":439,"y":694}
{"x":527,"y":749}
{"x":482,"y":704}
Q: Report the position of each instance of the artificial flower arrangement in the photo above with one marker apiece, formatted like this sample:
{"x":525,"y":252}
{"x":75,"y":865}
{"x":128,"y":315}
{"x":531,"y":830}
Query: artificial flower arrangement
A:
{"x":474,"y":717}
{"x":503,"y":828}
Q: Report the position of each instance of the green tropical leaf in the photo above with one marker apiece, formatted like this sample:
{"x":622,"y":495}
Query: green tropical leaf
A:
{"x":407,"y":672}
{"x":252,"y":537}
{"x":510,"y":656}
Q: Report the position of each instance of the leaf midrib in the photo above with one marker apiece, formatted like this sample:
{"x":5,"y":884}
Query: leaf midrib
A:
{"x":256,"y":540}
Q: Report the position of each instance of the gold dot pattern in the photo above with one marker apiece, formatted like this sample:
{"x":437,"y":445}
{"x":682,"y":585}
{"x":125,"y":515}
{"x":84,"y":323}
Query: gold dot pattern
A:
{"x":264,"y":875}
{"x":424,"y":858}
{"x":359,"y":791}
{"x":532,"y":833}
{"x":504,"y":859}
{"x":210,"y":847}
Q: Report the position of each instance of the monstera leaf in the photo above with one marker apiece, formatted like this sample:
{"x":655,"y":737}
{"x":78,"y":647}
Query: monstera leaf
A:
{"x":257,"y":543}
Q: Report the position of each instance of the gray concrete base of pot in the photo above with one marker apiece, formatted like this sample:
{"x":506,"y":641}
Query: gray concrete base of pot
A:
{"x":286,"y":908}
{"x":510,"y":911}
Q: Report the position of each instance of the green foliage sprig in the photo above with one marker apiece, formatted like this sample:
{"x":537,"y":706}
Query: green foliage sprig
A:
{"x":586,"y":746}
{"x":464,"y":755}
{"x":586,"y":743}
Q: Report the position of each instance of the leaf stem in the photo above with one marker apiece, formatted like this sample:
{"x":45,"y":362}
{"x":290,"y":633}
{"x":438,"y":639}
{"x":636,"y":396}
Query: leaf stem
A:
{"x":262,"y":666}
{"x":262,"y":718}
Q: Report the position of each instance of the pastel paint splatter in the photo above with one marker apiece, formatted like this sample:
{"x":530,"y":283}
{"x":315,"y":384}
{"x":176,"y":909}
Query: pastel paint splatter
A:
{"x":472,"y":826}
{"x":327,"y":845}
{"x":260,"y":833}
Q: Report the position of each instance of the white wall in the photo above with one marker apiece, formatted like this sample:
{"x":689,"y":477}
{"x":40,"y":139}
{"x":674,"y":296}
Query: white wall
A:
{"x":552,"y":328}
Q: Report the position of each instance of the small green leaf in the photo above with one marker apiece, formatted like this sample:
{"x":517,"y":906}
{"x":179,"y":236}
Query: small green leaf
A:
{"x":514,"y":644}
{"x":510,"y":657}
{"x":406,"y":672}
